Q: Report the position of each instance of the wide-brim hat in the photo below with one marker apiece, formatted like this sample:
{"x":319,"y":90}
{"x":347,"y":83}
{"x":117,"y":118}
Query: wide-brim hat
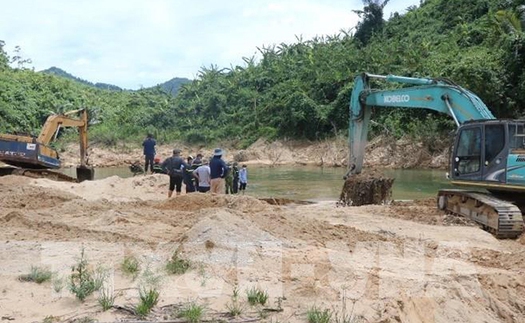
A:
{"x":217,"y":152}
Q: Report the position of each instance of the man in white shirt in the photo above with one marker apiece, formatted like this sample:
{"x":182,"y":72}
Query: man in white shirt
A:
{"x":203,"y":175}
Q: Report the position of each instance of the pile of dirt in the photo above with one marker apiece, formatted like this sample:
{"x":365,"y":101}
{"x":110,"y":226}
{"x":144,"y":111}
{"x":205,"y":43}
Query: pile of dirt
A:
{"x":195,"y":202}
{"x":421,"y":211}
{"x":369,"y":187}
{"x":23,"y":197}
{"x":114,"y":188}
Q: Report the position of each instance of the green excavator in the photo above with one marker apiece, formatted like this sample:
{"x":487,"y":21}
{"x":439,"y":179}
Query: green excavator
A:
{"x":487,"y":156}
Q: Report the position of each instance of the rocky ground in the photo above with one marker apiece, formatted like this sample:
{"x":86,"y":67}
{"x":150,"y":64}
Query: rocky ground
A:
{"x":405,"y":262}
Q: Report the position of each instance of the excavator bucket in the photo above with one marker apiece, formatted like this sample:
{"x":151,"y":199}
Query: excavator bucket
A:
{"x":85,"y":173}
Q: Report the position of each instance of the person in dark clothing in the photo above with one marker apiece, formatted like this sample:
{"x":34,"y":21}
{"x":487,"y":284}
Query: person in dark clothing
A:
{"x":136,"y":169}
{"x":188,"y":176}
{"x":198,"y":160}
{"x":149,"y":152}
{"x":157,"y":167}
{"x":235,"y":171}
{"x":174,"y":167}
{"x":229,"y":180}
{"x":218,"y":172}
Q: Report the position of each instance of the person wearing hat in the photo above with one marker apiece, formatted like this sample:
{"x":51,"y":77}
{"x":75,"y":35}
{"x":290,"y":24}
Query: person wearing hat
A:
{"x":174,"y":166}
{"x":218,"y":171}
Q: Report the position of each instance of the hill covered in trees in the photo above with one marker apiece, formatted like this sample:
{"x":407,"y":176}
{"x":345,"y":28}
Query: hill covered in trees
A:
{"x":302,"y":90}
{"x":172,"y":86}
{"x":60,"y":72}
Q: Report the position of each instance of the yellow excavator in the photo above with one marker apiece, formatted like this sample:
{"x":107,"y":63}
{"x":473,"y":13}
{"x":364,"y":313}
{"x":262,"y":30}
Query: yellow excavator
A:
{"x":33,"y":156}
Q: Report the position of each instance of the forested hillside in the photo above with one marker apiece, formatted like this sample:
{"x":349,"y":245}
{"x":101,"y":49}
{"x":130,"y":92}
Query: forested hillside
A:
{"x":302,"y":90}
{"x":60,"y":72}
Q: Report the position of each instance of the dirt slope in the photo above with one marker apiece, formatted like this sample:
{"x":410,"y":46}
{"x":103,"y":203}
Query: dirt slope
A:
{"x":400,"y":263}
{"x":382,"y":152}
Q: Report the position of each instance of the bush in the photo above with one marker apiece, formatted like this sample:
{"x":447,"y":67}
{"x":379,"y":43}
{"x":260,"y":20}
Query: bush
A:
{"x":192,"y":312}
{"x":37,"y":275}
{"x":130,"y":266}
{"x":148,"y":298}
{"x":256,"y":296}
{"x":315,"y":315}
{"x":83,"y":281}
{"x":177,"y":265}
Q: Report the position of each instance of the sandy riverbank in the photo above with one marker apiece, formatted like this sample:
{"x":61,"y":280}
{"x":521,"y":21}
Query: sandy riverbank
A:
{"x":405,"y":262}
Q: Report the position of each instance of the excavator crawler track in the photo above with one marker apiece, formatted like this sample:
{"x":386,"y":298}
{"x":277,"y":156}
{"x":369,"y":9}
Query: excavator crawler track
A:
{"x":500,"y":217}
{"x":37,"y":173}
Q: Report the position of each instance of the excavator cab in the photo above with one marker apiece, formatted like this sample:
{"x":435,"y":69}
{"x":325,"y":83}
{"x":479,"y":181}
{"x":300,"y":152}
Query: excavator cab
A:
{"x":490,"y":153}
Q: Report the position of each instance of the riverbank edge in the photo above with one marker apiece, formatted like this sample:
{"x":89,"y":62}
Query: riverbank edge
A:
{"x":380,"y":153}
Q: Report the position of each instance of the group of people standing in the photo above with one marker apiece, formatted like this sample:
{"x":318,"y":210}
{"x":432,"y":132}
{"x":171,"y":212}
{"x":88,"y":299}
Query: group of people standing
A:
{"x":197,"y":174}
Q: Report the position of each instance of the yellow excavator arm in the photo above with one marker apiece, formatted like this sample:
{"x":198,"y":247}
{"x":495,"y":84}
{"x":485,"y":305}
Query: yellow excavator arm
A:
{"x":34,"y":155}
{"x":55,"y":122}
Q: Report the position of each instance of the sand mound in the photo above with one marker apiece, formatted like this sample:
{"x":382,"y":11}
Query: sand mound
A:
{"x":197,"y":201}
{"x":29,"y":197}
{"x":421,"y":211}
{"x":114,"y":188}
{"x":14,"y":180}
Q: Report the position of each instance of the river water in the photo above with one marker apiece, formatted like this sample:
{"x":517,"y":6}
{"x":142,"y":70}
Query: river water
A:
{"x":317,"y":183}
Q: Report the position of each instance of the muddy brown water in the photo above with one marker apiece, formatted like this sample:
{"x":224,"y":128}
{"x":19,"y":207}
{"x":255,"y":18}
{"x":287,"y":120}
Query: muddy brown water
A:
{"x":316,"y":183}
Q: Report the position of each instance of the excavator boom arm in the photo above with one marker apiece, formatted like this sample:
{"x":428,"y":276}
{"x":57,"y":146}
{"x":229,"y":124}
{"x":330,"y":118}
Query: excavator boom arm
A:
{"x":442,"y":96}
{"x":54,"y":122}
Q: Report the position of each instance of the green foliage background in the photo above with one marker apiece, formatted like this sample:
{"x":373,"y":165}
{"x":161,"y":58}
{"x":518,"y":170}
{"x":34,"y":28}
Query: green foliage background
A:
{"x":301,"y":90}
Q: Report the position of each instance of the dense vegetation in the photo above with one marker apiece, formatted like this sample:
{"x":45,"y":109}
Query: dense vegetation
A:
{"x":302,"y":90}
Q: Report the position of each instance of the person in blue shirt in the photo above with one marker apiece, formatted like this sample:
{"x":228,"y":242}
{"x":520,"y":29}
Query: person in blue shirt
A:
{"x":149,"y":152}
{"x":218,"y":172}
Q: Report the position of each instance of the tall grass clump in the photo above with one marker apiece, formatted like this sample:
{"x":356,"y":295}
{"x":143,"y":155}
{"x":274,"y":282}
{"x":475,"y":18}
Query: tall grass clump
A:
{"x":148,"y":298}
{"x":316,"y":315}
{"x":192,"y":312}
{"x":177,"y":265}
{"x":37,"y":275}
{"x":256,"y":296}
{"x":130,"y":266}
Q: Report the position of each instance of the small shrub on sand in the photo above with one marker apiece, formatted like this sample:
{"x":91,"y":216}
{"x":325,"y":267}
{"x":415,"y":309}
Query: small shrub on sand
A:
{"x":235,"y":307}
{"x":148,"y":298}
{"x":83,"y":280}
{"x":192,"y":312}
{"x":176,"y":265}
{"x":37,"y":275}
{"x":316,"y":315}
{"x":256,"y":296}
{"x":106,"y":299}
{"x":130,"y":266}
{"x":58,"y":284}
